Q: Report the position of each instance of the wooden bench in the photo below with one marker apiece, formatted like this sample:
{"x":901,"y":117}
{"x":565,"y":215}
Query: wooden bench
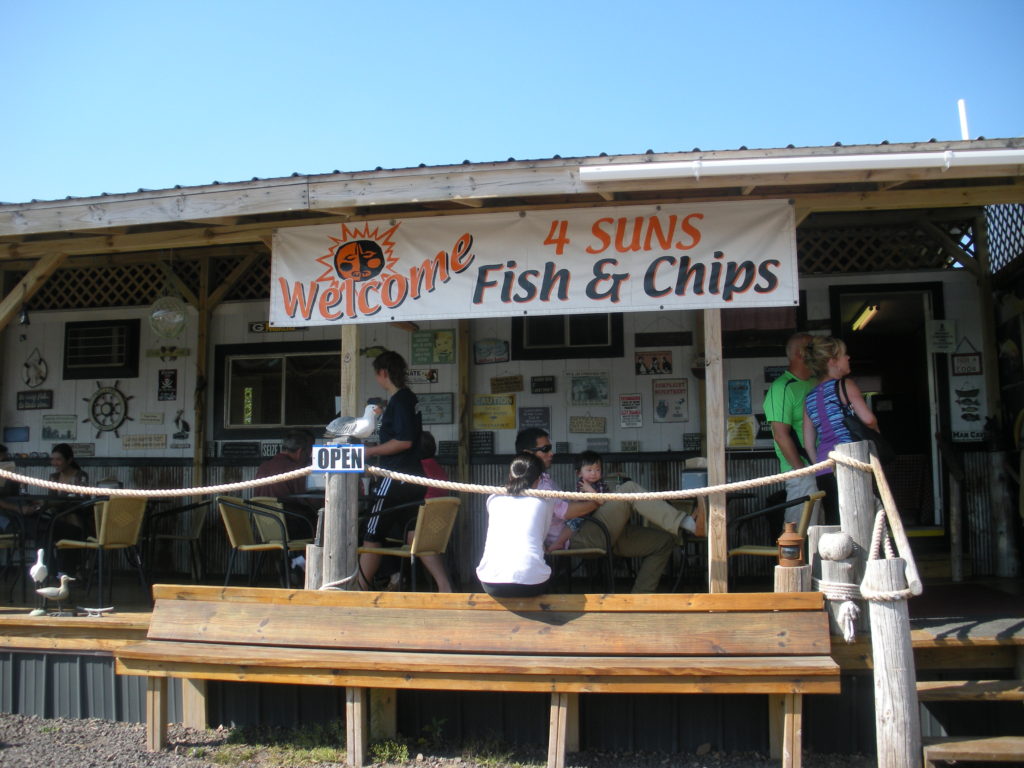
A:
{"x":763,"y":643}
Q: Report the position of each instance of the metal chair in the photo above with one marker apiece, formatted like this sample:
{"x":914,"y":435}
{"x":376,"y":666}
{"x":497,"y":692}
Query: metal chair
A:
{"x":561,"y":559}
{"x":196,"y":520}
{"x":244,"y":521}
{"x":759,"y":550}
{"x":118,"y":524}
{"x":433,"y":529}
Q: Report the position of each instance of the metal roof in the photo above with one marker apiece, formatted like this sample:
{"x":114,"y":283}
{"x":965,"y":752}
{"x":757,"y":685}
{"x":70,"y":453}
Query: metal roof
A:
{"x":248,"y":211}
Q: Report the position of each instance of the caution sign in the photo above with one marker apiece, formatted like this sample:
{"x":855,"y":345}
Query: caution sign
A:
{"x":339,"y":458}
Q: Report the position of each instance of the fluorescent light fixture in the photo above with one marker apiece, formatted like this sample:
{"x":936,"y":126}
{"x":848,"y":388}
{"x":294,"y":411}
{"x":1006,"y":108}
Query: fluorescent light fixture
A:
{"x":752,"y":166}
{"x":866,"y":315}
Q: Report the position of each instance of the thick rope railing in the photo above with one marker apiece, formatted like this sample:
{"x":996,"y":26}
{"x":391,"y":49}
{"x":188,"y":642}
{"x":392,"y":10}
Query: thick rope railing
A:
{"x":842,"y":591}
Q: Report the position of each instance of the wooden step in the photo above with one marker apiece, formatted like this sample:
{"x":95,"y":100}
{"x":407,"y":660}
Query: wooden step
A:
{"x":990,"y":749}
{"x":970,"y":690}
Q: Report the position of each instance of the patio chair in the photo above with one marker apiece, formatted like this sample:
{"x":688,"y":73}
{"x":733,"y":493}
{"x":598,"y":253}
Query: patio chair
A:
{"x":192,"y":535}
{"x":774,"y":518}
{"x":118,"y":524}
{"x":243,"y":521}
{"x":562,"y":560}
{"x":433,"y":529}
{"x":13,"y":543}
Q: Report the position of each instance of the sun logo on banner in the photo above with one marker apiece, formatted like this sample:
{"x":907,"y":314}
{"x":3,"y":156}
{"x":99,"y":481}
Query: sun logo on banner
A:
{"x":360,"y":254}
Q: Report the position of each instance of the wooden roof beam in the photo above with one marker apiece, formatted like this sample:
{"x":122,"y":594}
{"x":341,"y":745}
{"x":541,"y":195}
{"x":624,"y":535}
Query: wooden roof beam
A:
{"x":28,"y":286}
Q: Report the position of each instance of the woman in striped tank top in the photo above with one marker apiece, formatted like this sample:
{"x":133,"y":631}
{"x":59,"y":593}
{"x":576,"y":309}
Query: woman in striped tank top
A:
{"x":825,"y":407}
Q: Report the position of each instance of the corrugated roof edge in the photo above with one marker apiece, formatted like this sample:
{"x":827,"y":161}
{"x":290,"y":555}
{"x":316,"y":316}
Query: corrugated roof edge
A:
{"x":644,"y":157}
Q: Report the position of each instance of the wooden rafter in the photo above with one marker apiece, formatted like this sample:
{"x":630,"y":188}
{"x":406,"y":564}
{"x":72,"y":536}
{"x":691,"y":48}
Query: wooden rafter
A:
{"x":28,"y":285}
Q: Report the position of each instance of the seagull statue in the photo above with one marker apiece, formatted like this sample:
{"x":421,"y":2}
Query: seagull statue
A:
{"x":38,"y":572}
{"x":60,"y":594}
{"x":363,"y":426}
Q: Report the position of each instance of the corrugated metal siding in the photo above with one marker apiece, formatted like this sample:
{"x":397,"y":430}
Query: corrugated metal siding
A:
{"x":75,"y":685}
{"x":977,"y":512}
{"x":608,"y":722}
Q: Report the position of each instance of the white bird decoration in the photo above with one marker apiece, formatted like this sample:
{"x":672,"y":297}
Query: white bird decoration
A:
{"x":60,"y":594}
{"x":363,"y":426}
{"x":39,"y":571}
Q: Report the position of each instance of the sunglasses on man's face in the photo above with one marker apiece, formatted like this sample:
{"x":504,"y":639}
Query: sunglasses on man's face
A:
{"x":543,"y":449}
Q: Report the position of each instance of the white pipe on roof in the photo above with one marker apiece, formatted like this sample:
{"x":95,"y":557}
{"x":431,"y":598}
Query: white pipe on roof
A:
{"x":803,"y":164}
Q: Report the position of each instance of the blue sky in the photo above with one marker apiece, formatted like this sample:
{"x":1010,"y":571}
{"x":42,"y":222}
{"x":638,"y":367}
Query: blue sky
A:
{"x":116,"y":96}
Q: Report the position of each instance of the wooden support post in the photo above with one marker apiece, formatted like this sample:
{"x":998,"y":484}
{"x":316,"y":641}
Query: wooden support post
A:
{"x":956,"y":517}
{"x":814,"y":534}
{"x":718,"y":560}
{"x":572,"y":723}
{"x":315,"y":565}
{"x":897,"y":719}
{"x":776,"y":724}
{"x":383,"y":714}
{"x":193,"y":704}
{"x":557,"y":729}
{"x":792,"y":730}
{"x":1002,"y":510}
{"x":857,"y":505}
{"x":204,"y":309}
{"x":792,"y":578}
{"x":341,"y":503}
{"x":356,"y":729}
{"x":156,"y":713}
{"x":780,"y":719}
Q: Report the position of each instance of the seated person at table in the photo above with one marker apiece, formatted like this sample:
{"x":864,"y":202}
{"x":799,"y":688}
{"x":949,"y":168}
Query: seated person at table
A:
{"x":66,"y":469}
{"x":430,"y":465}
{"x":589,"y":472}
{"x":73,"y":526}
{"x":296,"y":449}
{"x":513,"y":561}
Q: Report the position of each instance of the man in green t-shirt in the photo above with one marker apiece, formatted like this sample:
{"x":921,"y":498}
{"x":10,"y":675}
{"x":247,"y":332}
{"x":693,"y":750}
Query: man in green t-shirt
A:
{"x":784,"y":410}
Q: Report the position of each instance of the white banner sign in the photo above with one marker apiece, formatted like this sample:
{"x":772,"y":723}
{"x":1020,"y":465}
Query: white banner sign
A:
{"x":635,"y":259}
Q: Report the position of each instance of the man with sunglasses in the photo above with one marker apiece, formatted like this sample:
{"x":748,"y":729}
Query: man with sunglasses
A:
{"x":651,"y":544}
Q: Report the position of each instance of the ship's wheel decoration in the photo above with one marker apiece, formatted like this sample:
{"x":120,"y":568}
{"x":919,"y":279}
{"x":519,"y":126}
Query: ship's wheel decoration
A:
{"x":34,"y":370}
{"x":108,"y":409}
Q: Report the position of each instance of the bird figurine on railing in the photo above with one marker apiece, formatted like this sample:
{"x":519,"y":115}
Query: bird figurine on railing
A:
{"x":60,"y":594}
{"x":39,"y":572}
{"x":362,"y":426}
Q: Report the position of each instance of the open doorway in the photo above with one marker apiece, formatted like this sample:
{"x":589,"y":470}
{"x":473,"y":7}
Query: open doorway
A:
{"x":889,"y":359}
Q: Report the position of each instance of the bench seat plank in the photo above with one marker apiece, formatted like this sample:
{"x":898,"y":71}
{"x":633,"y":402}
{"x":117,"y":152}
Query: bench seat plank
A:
{"x":981,"y":749}
{"x":577,"y":633}
{"x":480,"y":671}
{"x":479,"y":601}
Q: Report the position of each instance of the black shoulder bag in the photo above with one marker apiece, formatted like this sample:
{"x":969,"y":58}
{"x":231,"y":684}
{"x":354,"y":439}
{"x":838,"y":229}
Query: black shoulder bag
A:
{"x":859,"y":430}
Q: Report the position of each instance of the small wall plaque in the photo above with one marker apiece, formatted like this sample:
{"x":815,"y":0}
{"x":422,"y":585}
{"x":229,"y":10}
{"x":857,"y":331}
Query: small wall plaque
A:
{"x":542,"y":385}
{"x":503,"y":384}
{"x":535,"y":416}
{"x":35,"y":399}
{"x":481,"y":443}
{"x":588,"y":424}
{"x":437,"y":407}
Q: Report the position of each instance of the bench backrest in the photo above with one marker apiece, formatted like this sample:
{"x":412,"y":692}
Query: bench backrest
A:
{"x":734,"y":624}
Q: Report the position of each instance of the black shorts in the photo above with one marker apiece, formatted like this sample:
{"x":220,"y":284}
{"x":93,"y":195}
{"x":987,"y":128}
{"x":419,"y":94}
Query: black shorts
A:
{"x":386,"y":494}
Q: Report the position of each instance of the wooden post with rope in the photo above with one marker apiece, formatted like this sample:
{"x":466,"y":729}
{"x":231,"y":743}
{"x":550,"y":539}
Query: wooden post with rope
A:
{"x":856,"y":511}
{"x":897,"y":720}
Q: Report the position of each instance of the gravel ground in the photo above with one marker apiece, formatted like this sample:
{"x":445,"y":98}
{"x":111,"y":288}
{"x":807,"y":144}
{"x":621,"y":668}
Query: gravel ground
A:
{"x":33,"y":742}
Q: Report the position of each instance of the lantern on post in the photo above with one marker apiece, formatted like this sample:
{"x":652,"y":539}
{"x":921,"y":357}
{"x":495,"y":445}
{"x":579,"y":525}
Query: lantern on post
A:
{"x":791,"y":547}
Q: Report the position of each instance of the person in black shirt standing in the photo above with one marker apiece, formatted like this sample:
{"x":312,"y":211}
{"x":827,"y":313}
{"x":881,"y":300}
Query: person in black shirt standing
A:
{"x":398,"y":451}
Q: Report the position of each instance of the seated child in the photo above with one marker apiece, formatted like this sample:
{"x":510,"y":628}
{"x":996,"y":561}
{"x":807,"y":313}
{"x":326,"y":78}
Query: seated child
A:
{"x":588,"y":480}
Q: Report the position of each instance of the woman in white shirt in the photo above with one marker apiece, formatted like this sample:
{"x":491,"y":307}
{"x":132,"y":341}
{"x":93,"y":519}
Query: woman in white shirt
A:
{"x":513,"y":561}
